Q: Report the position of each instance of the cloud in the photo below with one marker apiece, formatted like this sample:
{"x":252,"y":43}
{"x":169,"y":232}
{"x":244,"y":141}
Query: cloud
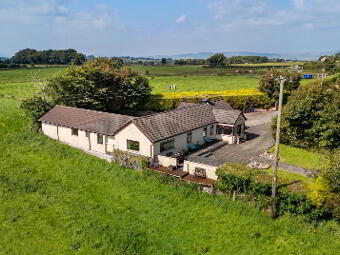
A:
{"x":299,"y":4}
{"x":181,"y":19}
{"x":43,"y":24}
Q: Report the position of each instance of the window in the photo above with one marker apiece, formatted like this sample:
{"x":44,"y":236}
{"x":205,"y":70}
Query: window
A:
{"x":189,"y":137}
{"x":167,"y":145}
{"x":87,"y":133}
{"x":224,"y":130}
{"x":201,"y":172}
{"x":212,"y":130}
{"x":205,"y":132}
{"x":99,"y":138}
{"x":74,"y":131}
{"x":132,"y":145}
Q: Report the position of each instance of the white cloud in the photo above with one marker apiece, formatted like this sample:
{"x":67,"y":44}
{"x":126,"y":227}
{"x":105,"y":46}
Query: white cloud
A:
{"x":43,"y":24}
{"x":181,"y":19}
{"x":299,"y":4}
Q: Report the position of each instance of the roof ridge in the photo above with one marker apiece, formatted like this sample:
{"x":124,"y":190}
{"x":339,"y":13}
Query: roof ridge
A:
{"x":173,"y":110}
{"x":90,"y":110}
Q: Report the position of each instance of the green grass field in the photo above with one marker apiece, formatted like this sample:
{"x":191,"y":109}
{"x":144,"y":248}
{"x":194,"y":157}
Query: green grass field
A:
{"x":28,"y":75}
{"x":272,"y":64}
{"x":58,"y":200}
{"x":300,"y":157}
{"x":202,"y":83}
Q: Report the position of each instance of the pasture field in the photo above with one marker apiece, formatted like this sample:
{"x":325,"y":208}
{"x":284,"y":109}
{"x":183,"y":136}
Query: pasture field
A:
{"x":272,"y":64}
{"x":202,"y":83}
{"x":27,"y":75}
{"x":58,"y":200}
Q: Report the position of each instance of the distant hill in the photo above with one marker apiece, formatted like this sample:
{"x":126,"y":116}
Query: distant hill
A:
{"x":291,"y":56}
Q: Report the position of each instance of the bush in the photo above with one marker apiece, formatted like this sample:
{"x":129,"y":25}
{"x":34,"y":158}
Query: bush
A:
{"x":238,"y":99}
{"x":311,"y":118}
{"x":257,"y":184}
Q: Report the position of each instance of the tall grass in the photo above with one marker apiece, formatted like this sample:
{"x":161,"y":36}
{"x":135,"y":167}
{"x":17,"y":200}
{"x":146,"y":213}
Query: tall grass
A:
{"x":58,"y":200}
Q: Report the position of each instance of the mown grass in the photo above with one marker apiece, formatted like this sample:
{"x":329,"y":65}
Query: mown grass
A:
{"x":300,"y":157}
{"x":58,"y":200}
{"x":202,"y":83}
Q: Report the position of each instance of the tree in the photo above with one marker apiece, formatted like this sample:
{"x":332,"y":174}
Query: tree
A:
{"x":270,"y":84}
{"x":101,"y":84}
{"x":331,"y":173}
{"x":217,"y":60}
{"x":31,"y":56}
{"x":163,"y":61}
{"x":311,"y":117}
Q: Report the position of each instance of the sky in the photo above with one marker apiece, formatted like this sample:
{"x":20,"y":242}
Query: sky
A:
{"x":168,"y":27}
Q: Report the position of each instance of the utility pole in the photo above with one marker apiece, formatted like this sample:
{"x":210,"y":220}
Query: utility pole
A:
{"x":322,"y":77}
{"x":277,"y":149}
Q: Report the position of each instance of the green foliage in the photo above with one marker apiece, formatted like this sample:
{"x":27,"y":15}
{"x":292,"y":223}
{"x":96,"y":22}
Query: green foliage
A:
{"x":241,"y":102}
{"x":312,"y":118}
{"x":270,"y":84}
{"x":36,"y":107}
{"x":236,"y":177}
{"x":246,"y":60}
{"x":217,"y":60}
{"x":130,"y":160}
{"x":102,"y":85}
{"x":257,"y":183}
{"x":51,"y":192}
{"x":331,"y":172}
{"x":299,"y":204}
{"x":31,"y":56}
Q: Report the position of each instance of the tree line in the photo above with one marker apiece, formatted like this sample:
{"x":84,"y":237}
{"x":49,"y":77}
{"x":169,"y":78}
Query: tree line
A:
{"x":46,"y":57}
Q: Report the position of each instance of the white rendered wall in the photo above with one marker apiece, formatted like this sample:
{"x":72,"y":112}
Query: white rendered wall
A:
{"x":131,"y":132}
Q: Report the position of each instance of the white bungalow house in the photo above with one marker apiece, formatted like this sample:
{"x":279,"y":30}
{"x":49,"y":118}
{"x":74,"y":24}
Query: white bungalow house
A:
{"x":155,"y":136}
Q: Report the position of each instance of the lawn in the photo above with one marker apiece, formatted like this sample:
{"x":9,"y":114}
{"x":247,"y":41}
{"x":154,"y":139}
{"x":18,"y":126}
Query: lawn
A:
{"x":58,"y":200}
{"x":202,"y":83}
{"x":300,"y":157}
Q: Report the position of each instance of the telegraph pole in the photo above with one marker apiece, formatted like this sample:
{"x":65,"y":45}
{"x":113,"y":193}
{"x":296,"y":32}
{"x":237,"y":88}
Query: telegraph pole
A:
{"x":277,"y":149}
{"x":322,"y":77}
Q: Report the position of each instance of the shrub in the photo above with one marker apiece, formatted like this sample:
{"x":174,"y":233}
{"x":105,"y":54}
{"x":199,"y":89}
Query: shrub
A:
{"x":257,"y":184}
{"x":311,"y":118}
{"x":238,"y":99}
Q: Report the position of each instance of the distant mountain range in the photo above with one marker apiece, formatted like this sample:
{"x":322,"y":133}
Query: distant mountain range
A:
{"x":292,"y":56}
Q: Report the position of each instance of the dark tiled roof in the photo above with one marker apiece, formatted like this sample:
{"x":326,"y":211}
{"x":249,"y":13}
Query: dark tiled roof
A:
{"x":183,"y":105}
{"x":95,"y":121}
{"x":226,"y":116}
{"x":167,"y":124}
{"x":221,"y":104}
{"x":156,"y":127}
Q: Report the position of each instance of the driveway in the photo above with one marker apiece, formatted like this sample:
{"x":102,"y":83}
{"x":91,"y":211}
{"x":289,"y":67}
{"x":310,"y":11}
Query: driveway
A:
{"x":259,"y":139}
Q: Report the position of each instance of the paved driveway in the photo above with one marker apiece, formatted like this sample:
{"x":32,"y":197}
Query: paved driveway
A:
{"x":259,"y":139}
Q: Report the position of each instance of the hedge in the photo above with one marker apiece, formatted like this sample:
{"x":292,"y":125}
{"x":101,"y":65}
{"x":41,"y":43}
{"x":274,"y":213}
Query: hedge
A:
{"x":257,"y":184}
{"x":238,"y":99}
{"x":130,"y":160}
